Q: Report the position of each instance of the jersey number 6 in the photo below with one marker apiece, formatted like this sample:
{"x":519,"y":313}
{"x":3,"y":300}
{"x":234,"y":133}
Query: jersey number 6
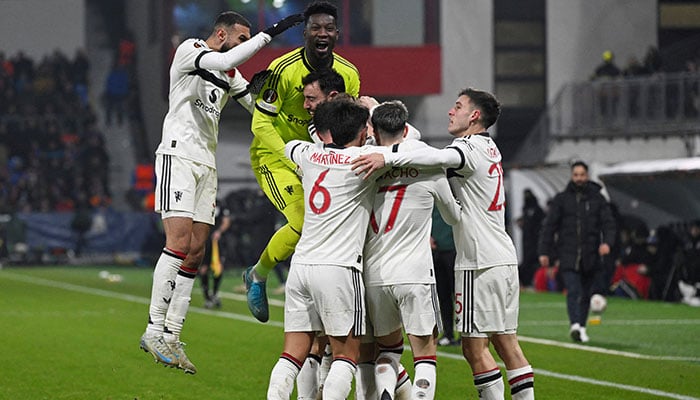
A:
{"x":323,"y":192}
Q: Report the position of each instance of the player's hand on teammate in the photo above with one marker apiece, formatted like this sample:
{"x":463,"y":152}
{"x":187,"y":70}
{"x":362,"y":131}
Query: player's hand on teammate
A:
{"x":368,"y":163}
{"x":284,"y":24}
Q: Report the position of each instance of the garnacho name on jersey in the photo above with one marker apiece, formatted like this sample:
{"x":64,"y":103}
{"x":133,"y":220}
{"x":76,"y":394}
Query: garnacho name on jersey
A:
{"x":400,"y":172}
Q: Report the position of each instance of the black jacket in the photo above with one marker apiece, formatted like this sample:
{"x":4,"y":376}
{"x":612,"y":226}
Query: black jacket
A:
{"x":581,"y":220}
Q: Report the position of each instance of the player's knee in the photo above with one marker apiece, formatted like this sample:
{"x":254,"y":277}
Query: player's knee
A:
{"x":295,"y":221}
{"x":295,"y":216}
{"x":194,"y":258}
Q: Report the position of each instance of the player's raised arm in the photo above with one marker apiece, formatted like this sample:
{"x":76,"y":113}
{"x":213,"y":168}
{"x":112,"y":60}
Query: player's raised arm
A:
{"x":233,"y":57}
{"x":450,"y":157}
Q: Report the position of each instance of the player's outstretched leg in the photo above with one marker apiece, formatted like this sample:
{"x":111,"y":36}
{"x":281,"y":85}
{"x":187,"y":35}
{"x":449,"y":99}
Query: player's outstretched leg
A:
{"x":257,"y":295}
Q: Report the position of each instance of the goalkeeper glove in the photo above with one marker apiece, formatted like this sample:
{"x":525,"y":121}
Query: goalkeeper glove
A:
{"x":284,"y":24}
{"x":258,"y":81}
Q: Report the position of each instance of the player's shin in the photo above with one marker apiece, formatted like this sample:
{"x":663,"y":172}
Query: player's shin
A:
{"x":180,"y":303}
{"x":282,"y":377}
{"x":365,"y":384}
{"x":489,"y":384}
{"x":164,"y":275}
{"x":403,"y":385}
{"x":307,"y":380}
{"x":522,"y":383}
{"x":426,"y":377}
{"x":387,"y":370}
{"x":339,"y":380}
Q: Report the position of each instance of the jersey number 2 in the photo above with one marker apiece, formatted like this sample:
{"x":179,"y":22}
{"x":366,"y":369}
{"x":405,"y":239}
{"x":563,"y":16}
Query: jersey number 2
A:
{"x":498,"y":169}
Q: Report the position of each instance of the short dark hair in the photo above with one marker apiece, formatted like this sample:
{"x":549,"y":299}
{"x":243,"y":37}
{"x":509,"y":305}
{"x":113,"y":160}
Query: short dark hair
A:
{"x":229,"y":19}
{"x":328,"y":80}
{"x":320,"y":7}
{"x":390,"y":118}
{"x":344,"y":119}
{"x":486,"y":103}
{"x":579,"y":163}
{"x":323,"y":118}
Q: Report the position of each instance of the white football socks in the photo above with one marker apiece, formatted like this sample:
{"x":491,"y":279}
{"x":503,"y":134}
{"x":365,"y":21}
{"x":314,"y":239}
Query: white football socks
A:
{"x":339,"y":380}
{"x":307,"y":380}
{"x":426,"y":377}
{"x":490,"y":385}
{"x":282,"y":377}
{"x":180,"y":303}
{"x":386,"y":371}
{"x":365,"y":386}
{"x":522,"y":383}
{"x":162,"y":289}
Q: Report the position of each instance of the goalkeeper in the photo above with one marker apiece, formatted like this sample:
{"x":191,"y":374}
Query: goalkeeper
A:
{"x":279,"y":117}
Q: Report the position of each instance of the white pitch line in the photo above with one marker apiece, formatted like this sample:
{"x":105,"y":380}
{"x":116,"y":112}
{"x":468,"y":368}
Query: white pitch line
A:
{"x":242,"y":297}
{"x":602,"y":350}
{"x":620,"y":322}
{"x":575,"y":378}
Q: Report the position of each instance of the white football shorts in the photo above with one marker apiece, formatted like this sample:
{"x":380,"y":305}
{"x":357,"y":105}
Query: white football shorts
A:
{"x":487,"y":301}
{"x":415,"y":306}
{"x":324,"y":298}
{"x":185,"y":188}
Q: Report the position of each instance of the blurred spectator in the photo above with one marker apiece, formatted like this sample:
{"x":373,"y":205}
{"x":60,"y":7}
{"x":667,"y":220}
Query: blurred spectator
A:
{"x":634,"y":68}
{"x":530,"y":223}
{"x":143,"y":183}
{"x":547,"y":279}
{"x":663,"y":248}
{"x":7,"y":69}
{"x":116,"y":94}
{"x":607,"y":93}
{"x":79,"y":74}
{"x":689,"y":282}
{"x":126,"y":51}
{"x":691,"y":102}
{"x":631,"y":275}
{"x":607,"y":69}
{"x":81,"y":223}
{"x":24,"y":71}
{"x":652,"y":60}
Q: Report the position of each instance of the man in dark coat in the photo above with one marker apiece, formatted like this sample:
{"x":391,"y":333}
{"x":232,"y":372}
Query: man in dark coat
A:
{"x":581,"y":221}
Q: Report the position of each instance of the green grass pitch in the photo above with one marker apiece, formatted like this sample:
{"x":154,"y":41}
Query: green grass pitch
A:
{"x":67,"y":333}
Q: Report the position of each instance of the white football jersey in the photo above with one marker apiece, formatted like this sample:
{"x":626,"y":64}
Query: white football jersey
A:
{"x":476,"y":177}
{"x":397,"y":248}
{"x":337,"y":204}
{"x":195,"y":101}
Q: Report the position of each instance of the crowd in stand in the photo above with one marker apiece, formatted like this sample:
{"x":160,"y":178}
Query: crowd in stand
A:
{"x":687,"y":88}
{"x":654,"y":264}
{"x":52,"y":155}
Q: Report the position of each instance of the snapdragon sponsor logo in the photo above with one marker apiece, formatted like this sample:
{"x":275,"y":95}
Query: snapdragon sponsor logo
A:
{"x":296,"y":120}
{"x":207,"y":109}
